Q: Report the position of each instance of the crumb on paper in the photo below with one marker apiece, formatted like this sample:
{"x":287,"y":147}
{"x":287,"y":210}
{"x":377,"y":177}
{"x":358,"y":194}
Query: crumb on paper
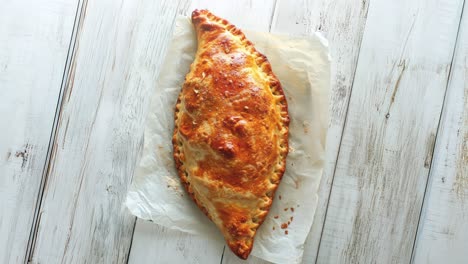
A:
{"x":305,"y":125}
{"x":285,"y":209}
{"x":273,"y":228}
{"x":284,"y":225}
{"x":292,"y":209}
{"x":279,"y":197}
{"x":275,"y":217}
{"x":285,"y":232}
{"x":291,"y":218}
{"x":174,"y":185}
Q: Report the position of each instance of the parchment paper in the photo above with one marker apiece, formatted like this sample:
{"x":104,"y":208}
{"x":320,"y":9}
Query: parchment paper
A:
{"x":303,"y":67}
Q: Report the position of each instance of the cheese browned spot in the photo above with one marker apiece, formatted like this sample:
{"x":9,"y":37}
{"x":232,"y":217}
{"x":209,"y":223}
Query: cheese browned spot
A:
{"x":231,"y":131}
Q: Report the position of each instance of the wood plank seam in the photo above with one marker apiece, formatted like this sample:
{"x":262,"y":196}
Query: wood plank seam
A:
{"x":77,"y":24}
{"x":121,"y":49}
{"x":436,"y":142}
{"x":182,"y":7}
{"x":341,"y":138}
{"x":222,"y":255}
{"x":344,"y":180}
{"x":131,"y":240}
{"x":273,"y":14}
{"x":343,"y":23}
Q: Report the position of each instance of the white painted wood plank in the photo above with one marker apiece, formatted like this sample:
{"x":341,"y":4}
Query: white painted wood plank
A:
{"x":155,"y":244}
{"x":443,"y":232}
{"x":230,"y":258}
{"x":255,"y":15}
{"x":342,"y":22}
{"x":245,"y":14}
{"x":34,"y":41}
{"x":116,"y":61}
{"x":390,"y":131}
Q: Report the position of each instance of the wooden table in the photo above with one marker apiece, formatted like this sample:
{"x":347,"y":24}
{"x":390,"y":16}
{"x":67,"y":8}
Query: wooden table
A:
{"x":76,"y":75}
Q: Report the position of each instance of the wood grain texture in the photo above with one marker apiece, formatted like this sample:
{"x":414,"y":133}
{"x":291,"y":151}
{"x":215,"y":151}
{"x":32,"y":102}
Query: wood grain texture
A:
{"x":114,"y":67}
{"x":342,"y":23}
{"x":245,"y":14}
{"x":155,"y":244}
{"x":382,"y":167}
{"x":387,"y":144}
{"x":443,"y":232}
{"x":230,"y":258}
{"x":34,"y":41}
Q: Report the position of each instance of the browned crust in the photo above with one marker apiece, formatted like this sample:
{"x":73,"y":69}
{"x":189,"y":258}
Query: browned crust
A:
{"x":198,"y":16}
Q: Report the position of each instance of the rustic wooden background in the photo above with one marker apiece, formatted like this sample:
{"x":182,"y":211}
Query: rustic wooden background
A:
{"x":75,"y":77}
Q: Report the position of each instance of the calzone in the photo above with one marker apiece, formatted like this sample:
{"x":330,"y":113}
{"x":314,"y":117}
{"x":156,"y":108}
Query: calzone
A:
{"x":231,"y":131}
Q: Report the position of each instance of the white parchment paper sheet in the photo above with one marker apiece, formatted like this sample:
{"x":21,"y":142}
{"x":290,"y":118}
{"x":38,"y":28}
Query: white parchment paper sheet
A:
{"x":303,"y":67}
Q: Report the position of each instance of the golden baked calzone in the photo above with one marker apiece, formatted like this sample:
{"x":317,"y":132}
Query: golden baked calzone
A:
{"x":231,"y":131}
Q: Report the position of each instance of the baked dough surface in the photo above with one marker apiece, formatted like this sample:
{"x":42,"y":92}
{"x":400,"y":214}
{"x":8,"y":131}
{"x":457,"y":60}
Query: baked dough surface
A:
{"x":231,"y":131}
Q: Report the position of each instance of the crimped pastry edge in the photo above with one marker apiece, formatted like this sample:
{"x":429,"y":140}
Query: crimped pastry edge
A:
{"x":281,"y":104}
